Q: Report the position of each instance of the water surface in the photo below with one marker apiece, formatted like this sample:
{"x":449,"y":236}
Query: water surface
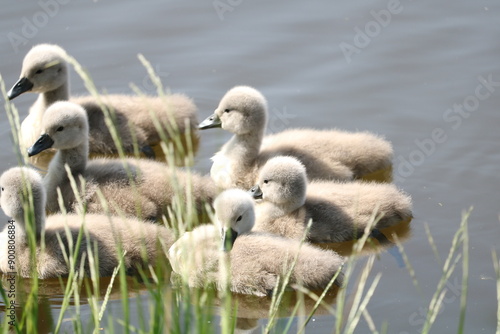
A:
{"x":405,"y":82}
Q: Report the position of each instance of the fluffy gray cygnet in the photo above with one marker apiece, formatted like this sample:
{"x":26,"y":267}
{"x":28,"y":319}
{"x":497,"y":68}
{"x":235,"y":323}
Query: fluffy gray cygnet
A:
{"x":256,"y":259}
{"x":327,"y":154}
{"x":340,"y":211}
{"x":142,"y":242}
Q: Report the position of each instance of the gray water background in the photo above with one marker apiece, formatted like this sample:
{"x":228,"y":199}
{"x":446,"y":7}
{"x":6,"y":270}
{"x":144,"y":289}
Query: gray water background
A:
{"x":406,"y":81}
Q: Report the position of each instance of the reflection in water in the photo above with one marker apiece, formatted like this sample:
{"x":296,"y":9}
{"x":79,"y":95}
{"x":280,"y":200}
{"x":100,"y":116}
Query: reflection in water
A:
{"x":45,"y":323}
{"x":375,"y":245}
{"x":252,"y":307}
{"x":53,"y":289}
{"x":382,"y":175}
{"x":50,"y":296}
{"x":249,"y":310}
{"x":44,"y":320}
{"x":246,"y":326}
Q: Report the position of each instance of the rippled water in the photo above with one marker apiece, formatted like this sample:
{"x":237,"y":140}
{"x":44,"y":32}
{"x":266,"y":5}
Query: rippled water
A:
{"x":416,"y":77}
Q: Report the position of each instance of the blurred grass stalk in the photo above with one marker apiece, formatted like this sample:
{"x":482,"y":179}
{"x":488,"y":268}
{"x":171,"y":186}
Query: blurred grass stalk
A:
{"x":496,"y":265}
{"x":185,"y":310}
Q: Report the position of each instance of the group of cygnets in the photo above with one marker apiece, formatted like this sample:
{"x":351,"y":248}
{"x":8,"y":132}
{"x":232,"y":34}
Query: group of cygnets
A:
{"x":263,"y":190}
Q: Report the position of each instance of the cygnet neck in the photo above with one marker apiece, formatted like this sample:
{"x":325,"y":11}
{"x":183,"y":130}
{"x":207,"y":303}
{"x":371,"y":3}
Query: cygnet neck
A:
{"x":246,"y":146}
{"x":46,"y":99}
{"x":75,"y":158}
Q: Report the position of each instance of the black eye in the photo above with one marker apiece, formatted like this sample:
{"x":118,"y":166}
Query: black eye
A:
{"x":60,"y":128}
{"x":266,"y":181}
{"x":39,"y":71}
{"x":2,"y":188}
{"x":239,"y":218}
{"x":227,"y":110}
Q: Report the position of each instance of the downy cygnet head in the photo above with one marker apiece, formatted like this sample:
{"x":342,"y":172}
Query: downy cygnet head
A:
{"x":234,"y":214}
{"x":44,"y":69}
{"x":16,"y":184}
{"x":64,"y":126}
{"x":242,"y":110}
{"x":282,"y":181}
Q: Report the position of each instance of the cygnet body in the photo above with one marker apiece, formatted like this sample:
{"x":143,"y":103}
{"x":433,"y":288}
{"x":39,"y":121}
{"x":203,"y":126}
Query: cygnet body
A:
{"x":142,"y":242}
{"x":327,"y":154}
{"x":339,"y":211}
{"x":45,"y":71}
{"x":134,"y":186}
{"x":256,"y":259}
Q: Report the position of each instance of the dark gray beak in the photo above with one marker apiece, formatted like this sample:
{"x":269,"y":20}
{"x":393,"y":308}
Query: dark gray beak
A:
{"x":228,"y":238}
{"x":213,"y":121}
{"x":256,"y":192}
{"x":21,"y":86}
{"x":43,"y":143}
